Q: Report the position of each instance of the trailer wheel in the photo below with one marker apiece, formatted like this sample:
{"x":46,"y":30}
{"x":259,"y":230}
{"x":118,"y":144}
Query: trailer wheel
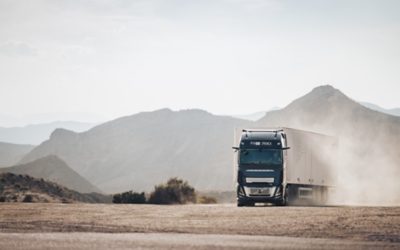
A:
{"x":324,"y":196}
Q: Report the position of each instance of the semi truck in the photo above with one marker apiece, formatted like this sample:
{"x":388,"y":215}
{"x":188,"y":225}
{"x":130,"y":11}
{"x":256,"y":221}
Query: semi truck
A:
{"x":284,"y":166}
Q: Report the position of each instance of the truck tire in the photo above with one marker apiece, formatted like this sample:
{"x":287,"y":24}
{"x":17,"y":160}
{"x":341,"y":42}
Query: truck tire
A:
{"x":288,"y":196}
{"x":284,"y":201}
{"x":245,"y":204}
{"x":251,"y":204}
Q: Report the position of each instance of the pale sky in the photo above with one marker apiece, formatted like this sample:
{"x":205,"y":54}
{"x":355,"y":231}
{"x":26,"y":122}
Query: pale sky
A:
{"x":120,"y":57}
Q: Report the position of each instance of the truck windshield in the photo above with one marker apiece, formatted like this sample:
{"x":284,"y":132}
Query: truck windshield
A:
{"x":260,"y":156}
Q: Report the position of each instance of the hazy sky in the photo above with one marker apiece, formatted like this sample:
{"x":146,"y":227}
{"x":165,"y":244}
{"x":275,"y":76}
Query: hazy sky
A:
{"x":120,"y":57}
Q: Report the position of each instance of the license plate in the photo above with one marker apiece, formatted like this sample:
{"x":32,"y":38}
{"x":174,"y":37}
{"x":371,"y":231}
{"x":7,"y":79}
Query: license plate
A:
{"x":259,"y":191}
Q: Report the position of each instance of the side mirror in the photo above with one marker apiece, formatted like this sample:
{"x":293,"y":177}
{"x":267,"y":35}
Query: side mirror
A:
{"x":286,"y":148}
{"x":235,"y":148}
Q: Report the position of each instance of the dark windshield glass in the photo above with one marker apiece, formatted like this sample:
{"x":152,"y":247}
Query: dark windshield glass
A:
{"x":260,"y":156}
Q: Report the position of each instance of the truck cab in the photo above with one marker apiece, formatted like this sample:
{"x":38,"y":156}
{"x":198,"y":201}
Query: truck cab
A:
{"x":261,"y":167}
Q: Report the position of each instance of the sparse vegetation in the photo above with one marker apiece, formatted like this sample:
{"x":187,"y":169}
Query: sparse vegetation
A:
{"x":130,"y":197}
{"x":175,"y":191}
{"x":28,"y":198}
{"x":206,"y":200}
{"x":24,"y":188}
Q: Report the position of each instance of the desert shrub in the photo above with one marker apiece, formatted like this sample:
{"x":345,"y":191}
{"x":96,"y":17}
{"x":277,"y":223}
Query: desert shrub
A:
{"x":28,"y":198}
{"x":14,"y":198}
{"x":64,"y":200}
{"x":175,"y":191}
{"x":129,"y":197}
{"x":206,"y":200}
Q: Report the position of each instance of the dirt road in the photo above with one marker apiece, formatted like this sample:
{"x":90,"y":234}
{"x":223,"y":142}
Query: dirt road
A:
{"x":100,"y":241}
{"x":200,"y":226}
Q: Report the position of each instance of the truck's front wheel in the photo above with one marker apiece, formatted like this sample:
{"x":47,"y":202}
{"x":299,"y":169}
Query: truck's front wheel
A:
{"x":284,"y":201}
{"x":245,"y":203}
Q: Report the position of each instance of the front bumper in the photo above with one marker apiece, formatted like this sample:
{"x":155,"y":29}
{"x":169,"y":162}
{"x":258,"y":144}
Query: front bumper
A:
{"x":247,"y":194}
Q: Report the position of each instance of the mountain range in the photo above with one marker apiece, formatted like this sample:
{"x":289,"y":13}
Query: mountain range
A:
{"x":37,"y":133}
{"x":139,"y":151}
{"x":393,"y":111}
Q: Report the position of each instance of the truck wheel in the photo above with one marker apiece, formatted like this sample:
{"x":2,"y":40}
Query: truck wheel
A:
{"x":288,"y":196}
{"x":241,"y":203}
{"x":284,"y":200}
{"x":324,"y":196}
{"x":245,"y":204}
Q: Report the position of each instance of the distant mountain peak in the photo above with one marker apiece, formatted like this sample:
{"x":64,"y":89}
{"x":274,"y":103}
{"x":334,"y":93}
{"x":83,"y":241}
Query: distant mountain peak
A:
{"x":163,"y":110}
{"x":195,"y":111}
{"x":326,"y":90}
{"x":61,"y":132}
{"x":191,"y":110}
{"x":320,"y":97}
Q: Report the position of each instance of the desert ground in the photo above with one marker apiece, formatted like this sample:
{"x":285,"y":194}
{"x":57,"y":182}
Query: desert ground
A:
{"x":105,"y":226}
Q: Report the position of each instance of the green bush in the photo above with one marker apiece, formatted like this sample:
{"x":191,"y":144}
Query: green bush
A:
{"x":129,"y":197}
{"x":175,"y":191}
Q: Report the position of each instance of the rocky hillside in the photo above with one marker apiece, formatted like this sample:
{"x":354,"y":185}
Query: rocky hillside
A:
{"x":24,"y":188}
{"x":54,"y":169}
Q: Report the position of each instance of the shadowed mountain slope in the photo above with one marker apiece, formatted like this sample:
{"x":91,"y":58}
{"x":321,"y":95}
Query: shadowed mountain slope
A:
{"x":18,"y":187}
{"x":12,"y":153}
{"x":53,"y":169}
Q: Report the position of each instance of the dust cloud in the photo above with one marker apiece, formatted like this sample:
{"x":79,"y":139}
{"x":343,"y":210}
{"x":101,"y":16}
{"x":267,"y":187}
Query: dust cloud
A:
{"x":366,"y":174}
{"x":366,"y":166}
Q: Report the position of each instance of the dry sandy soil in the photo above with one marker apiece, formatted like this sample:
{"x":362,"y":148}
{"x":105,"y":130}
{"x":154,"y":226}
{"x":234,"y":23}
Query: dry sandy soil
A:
{"x":41,"y":226}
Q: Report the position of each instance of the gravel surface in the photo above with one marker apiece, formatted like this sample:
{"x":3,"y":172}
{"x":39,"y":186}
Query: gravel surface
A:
{"x":359,"y":224}
{"x":99,"y":241}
